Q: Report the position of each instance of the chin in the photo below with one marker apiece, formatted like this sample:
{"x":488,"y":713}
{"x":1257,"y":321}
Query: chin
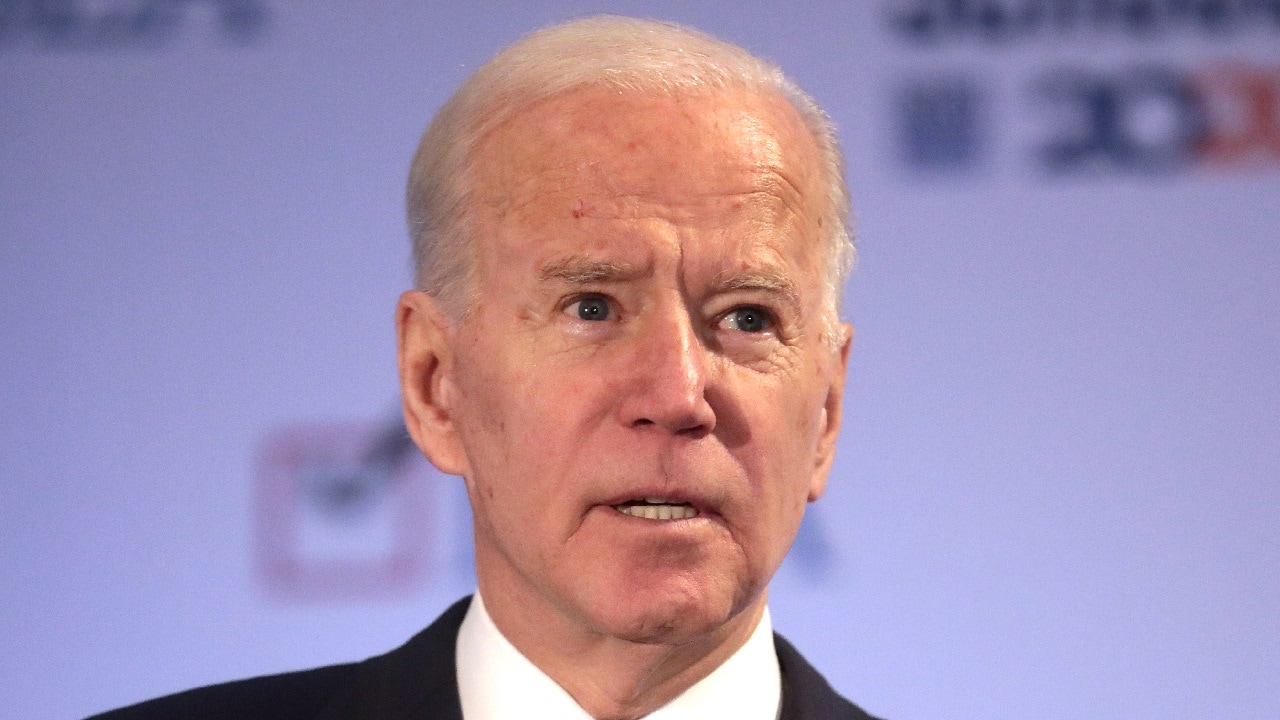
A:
{"x":669,"y":611}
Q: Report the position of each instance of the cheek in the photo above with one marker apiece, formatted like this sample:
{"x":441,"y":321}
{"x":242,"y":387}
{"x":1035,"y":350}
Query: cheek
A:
{"x":485,"y":415}
{"x":511,"y":423}
{"x":786,"y":435}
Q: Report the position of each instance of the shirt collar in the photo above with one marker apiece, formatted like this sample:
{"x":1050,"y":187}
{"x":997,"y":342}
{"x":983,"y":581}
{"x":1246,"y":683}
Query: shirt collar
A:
{"x":747,"y":686}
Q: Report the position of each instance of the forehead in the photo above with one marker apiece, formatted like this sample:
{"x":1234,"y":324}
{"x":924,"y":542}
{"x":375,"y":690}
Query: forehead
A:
{"x":564,"y":168}
{"x":668,"y":148}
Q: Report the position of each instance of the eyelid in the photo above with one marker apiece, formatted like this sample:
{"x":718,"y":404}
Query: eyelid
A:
{"x":585,"y":295}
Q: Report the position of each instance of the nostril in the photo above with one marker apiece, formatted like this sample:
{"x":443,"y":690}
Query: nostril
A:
{"x":695,"y":431}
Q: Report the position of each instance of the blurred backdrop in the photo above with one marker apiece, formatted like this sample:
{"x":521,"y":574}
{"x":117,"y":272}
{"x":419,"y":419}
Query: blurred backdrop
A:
{"x":1056,"y":492}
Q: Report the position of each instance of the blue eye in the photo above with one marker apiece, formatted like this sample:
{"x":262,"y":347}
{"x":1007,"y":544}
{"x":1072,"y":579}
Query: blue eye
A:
{"x":748,"y":319}
{"x":591,"y":308}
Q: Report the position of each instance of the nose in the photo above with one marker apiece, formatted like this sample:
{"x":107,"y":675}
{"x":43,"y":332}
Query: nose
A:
{"x":667,"y":387}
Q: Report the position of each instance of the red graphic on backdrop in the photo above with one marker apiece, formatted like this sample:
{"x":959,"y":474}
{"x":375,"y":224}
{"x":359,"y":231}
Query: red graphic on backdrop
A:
{"x":1242,"y":107}
{"x":342,"y":511}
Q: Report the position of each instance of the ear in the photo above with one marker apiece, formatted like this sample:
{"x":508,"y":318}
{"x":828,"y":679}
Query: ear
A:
{"x":831,"y":414}
{"x":424,"y":337}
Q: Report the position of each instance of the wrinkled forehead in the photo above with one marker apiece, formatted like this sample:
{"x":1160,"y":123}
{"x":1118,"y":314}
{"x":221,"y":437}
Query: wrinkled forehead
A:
{"x":633,"y":146}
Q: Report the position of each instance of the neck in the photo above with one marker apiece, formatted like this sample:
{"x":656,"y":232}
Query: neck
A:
{"x":610,"y":677}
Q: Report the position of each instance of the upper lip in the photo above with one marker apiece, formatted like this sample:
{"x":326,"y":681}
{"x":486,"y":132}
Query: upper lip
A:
{"x":699,"y":501}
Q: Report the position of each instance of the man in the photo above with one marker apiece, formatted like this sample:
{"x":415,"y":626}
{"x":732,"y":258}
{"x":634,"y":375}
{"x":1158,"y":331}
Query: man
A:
{"x":630,"y":241}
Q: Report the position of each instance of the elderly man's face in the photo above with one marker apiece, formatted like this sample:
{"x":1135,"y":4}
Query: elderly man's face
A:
{"x":642,"y":400}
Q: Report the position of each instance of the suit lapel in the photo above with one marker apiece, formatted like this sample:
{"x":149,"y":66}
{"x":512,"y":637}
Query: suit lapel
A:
{"x":806,"y":695}
{"x":416,"y":681}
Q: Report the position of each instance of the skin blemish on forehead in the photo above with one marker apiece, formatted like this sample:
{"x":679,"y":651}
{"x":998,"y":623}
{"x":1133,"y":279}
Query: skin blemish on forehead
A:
{"x":581,"y":209}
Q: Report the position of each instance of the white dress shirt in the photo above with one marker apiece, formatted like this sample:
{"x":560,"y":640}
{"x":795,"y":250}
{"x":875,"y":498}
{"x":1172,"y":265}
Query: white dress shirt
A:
{"x":496,"y":682}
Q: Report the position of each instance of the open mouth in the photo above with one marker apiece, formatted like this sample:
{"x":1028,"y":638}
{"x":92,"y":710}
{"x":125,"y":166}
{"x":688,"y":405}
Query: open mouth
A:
{"x":657,"y":509}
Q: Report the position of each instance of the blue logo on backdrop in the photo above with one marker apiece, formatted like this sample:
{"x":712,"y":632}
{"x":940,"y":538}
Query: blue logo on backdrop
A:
{"x":1062,"y":117}
{"x":1146,"y":120}
{"x":940,"y":122}
{"x":76,"y":25}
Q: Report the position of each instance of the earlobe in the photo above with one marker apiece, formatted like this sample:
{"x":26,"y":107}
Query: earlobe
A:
{"x":426,"y":364}
{"x":831,"y":415}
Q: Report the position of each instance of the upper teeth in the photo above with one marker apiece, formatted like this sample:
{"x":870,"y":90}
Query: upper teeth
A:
{"x":659,"y":509}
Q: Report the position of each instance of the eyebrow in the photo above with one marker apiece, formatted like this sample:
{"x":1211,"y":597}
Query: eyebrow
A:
{"x":769,"y":282}
{"x":578,"y":270}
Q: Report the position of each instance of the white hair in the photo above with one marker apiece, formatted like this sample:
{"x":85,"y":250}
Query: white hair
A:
{"x":622,"y":53}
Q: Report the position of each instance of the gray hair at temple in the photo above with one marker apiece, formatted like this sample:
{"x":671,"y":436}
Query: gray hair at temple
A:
{"x":628,"y":54}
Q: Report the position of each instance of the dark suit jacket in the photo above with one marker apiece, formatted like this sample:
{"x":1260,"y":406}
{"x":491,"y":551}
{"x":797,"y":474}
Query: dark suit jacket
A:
{"x":417,"y":681}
